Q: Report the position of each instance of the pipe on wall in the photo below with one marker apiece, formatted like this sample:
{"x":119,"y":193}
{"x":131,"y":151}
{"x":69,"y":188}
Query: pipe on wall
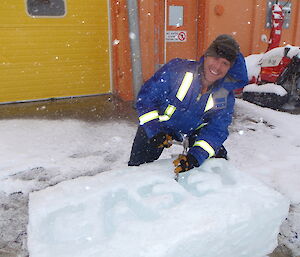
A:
{"x":134,"y":35}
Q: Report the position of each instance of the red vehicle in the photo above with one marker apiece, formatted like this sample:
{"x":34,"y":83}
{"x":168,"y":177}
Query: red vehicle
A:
{"x":280,"y":66}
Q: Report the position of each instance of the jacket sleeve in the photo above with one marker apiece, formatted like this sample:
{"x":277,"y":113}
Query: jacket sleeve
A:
{"x":238,"y":73}
{"x":213,"y":135}
{"x":151,"y":97}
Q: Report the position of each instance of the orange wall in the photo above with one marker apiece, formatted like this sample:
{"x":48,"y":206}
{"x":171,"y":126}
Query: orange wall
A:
{"x":296,"y":23}
{"x":245,"y":20}
{"x":121,"y":60}
{"x":226,"y":17}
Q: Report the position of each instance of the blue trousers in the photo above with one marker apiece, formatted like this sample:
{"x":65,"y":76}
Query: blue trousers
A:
{"x":142,"y":151}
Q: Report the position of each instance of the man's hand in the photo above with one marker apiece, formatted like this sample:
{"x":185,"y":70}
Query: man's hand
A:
{"x":161,"y":140}
{"x":184,"y":163}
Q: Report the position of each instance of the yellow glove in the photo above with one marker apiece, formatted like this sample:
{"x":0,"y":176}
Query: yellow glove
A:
{"x":184,"y":163}
{"x":161,"y":140}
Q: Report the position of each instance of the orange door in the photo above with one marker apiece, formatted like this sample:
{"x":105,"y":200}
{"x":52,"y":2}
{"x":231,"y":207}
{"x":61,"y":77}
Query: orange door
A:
{"x":180,"y":29}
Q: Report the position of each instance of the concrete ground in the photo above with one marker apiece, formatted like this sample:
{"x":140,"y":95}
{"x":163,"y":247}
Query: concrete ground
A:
{"x":89,"y":108}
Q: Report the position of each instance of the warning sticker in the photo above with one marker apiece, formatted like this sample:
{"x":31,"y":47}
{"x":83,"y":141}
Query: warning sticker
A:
{"x":176,"y":36}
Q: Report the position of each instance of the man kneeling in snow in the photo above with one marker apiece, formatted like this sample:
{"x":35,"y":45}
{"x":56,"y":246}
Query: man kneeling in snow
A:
{"x":194,"y":98}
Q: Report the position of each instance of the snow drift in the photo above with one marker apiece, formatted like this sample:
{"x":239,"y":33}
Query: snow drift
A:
{"x":214,"y":210}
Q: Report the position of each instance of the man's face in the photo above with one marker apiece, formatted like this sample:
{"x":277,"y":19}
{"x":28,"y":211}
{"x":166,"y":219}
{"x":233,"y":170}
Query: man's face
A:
{"x":215,"y":68}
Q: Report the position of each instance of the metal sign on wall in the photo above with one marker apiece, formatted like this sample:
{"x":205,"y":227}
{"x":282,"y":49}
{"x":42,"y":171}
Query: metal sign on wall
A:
{"x":176,"y":36}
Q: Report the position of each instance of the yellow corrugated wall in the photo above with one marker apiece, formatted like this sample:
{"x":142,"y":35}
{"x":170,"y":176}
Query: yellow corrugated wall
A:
{"x":54,"y":57}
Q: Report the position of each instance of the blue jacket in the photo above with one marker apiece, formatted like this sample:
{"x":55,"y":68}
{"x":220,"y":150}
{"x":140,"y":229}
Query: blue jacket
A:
{"x":171,"y":102}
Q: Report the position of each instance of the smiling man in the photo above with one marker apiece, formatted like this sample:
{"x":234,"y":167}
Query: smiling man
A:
{"x":191,"y":99}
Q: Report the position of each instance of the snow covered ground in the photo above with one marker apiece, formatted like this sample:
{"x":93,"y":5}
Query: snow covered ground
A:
{"x":36,"y":154}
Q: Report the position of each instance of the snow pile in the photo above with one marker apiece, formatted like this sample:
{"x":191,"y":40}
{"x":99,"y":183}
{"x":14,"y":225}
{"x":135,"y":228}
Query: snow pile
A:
{"x":214,"y":210}
{"x":279,"y":51}
{"x":266,"y":88}
{"x":271,"y":58}
{"x":254,"y":62}
{"x":253,"y":65}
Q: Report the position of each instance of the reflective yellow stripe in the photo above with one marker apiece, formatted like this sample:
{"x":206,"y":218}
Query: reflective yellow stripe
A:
{"x":209,"y":104}
{"x":201,"y":126}
{"x":185,"y":85}
{"x":206,"y":146}
{"x":148,"y":117}
{"x":168,"y":113}
{"x":170,"y":110}
{"x":164,"y":118}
